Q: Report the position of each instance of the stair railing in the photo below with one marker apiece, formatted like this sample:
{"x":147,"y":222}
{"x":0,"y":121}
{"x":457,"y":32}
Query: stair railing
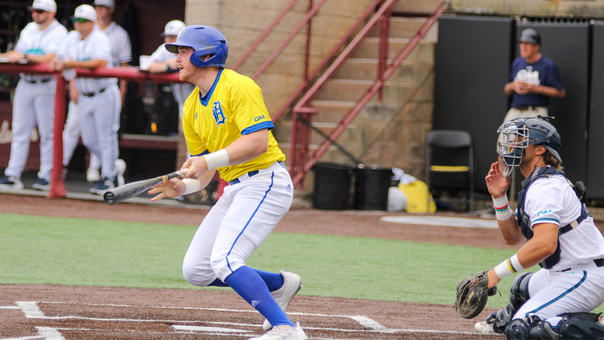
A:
{"x":299,"y":145}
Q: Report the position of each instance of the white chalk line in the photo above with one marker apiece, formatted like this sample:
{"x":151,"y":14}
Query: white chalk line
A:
{"x":35,"y":313}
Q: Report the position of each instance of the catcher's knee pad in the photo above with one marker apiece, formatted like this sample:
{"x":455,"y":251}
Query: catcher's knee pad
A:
{"x":516,"y":330}
{"x":577,"y":327}
{"x":519,"y":293}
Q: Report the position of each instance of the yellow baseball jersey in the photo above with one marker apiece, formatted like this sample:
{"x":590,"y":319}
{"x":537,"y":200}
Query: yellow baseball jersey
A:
{"x":233,"y":107}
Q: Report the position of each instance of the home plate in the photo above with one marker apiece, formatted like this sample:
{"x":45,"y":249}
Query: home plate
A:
{"x":443,"y":221}
{"x":208,"y":329}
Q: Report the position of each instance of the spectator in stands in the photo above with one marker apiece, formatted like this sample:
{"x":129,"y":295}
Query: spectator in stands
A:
{"x":33,"y":103}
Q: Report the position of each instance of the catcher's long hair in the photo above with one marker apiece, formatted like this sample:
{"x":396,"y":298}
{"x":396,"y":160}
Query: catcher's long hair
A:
{"x":550,"y":160}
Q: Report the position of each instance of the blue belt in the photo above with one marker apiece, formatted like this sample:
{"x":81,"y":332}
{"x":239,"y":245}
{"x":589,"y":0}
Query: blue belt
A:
{"x":251,"y":174}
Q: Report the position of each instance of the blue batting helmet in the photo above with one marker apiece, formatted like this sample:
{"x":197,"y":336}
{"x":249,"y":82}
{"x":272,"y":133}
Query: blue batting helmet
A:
{"x":205,"y":40}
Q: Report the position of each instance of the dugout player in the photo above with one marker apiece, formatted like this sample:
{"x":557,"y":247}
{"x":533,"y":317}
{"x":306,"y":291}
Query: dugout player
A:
{"x":99,"y":98}
{"x":561,"y":238}
{"x":33,"y":103}
{"x":165,"y":61}
{"x":227,"y":128}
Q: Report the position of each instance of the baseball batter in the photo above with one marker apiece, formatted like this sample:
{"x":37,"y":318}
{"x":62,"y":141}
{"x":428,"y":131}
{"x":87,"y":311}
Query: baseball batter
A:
{"x":99,"y":99}
{"x":561,"y":238}
{"x":227,"y":128}
{"x":33,"y":103}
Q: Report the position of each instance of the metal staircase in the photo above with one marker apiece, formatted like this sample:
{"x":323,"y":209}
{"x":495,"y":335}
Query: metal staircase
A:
{"x":350,"y":98}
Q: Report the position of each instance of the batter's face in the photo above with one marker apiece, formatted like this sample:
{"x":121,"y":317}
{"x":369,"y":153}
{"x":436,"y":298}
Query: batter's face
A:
{"x":528,"y":51}
{"x":187,"y":69}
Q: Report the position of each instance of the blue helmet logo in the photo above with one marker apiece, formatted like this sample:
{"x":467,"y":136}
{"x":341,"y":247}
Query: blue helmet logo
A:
{"x":205,"y":40}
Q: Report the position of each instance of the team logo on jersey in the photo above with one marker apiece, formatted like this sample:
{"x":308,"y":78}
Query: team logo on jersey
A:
{"x":529,"y":76}
{"x":218,"y":114}
{"x":543,"y":212}
{"x":257,"y":118}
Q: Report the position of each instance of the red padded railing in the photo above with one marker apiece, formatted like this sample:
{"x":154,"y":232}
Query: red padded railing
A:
{"x":57,"y":185}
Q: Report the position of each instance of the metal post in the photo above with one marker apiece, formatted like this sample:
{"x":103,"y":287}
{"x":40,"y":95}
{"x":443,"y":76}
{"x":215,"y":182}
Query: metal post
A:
{"x":57,"y":185}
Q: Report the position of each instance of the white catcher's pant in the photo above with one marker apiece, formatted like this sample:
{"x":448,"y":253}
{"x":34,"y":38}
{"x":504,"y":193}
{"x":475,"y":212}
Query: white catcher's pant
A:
{"x":237,"y":225}
{"x":580,"y":289}
{"x":33,"y":104}
{"x":71,"y":134}
{"x":100,"y":121}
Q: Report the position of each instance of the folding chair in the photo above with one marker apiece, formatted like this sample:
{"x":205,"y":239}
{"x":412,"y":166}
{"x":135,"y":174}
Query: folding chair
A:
{"x":449,"y":163}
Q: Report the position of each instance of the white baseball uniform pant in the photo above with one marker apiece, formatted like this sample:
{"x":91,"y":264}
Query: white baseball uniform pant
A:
{"x":237,"y":225}
{"x":33,"y":105}
{"x":580,"y":289}
{"x":100,"y":121}
{"x":71,"y":135}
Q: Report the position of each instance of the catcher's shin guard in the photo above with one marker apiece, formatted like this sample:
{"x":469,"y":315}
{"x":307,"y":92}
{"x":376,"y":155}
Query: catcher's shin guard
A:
{"x":516,"y":330}
{"x":519,"y":293}
{"x":518,"y":296}
{"x":577,"y":327}
{"x":543,"y":331}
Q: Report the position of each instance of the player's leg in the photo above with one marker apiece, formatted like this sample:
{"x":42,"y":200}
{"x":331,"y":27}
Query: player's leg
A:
{"x":22,"y":125}
{"x":44,"y":108}
{"x":256,"y":206}
{"x":71,"y":133}
{"x":196,"y":267}
{"x":104,"y":115}
{"x":566,"y":292}
{"x":88,"y":127}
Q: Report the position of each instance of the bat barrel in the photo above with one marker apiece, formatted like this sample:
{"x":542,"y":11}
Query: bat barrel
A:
{"x":109,"y":198}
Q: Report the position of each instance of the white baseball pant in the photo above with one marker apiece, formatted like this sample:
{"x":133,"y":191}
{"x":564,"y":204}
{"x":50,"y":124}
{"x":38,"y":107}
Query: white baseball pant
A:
{"x":71,"y":135}
{"x":237,"y":225}
{"x":100,"y":121}
{"x":33,"y":105}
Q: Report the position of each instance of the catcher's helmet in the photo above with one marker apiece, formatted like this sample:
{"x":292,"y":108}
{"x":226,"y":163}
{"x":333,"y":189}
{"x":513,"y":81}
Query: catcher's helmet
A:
{"x":519,"y":133}
{"x":205,"y":40}
{"x":530,"y":36}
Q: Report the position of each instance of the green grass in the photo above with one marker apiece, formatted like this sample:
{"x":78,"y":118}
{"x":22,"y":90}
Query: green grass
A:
{"x":67,"y":251}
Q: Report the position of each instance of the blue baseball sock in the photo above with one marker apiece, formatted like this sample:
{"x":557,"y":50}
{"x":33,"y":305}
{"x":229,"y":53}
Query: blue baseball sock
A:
{"x":273,"y":281}
{"x":250,"y":286}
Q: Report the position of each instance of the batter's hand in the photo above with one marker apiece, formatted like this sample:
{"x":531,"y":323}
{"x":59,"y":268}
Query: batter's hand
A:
{"x":197,"y":167}
{"x":168,"y":189}
{"x":496,"y":183}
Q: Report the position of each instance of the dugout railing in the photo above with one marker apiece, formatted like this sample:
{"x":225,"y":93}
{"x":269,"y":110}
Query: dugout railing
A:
{"x":57,"y":184}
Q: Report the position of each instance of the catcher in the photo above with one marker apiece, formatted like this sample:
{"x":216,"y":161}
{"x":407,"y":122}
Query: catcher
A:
{"x":555,"y":302}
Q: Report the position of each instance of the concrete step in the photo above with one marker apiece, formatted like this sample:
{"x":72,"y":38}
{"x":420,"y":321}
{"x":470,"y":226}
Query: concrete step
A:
{"x":401,"y":27}
{"x":416,"y":7}
{"x":370,"y":48}
{"x":352,"y":90}
{"x":367,"y":69}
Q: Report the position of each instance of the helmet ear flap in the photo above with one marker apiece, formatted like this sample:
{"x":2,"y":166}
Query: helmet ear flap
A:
{"x":196,"y":59}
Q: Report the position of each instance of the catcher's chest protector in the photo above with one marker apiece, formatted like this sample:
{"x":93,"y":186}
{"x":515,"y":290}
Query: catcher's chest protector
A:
{"x":524,"y":220}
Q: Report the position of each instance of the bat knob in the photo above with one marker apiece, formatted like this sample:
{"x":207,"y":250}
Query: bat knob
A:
{"x":109,"y":198}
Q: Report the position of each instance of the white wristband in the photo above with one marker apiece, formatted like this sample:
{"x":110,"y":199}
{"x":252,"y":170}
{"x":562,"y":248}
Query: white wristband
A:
{"x":191,"y":185}
{"x":508,"y":267}
{"x":502,"y":208}
{"x":217,"y":159}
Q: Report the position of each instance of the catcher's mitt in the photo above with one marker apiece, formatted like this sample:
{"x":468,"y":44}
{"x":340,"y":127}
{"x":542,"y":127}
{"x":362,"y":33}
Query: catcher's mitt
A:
{"x":471,"y":297}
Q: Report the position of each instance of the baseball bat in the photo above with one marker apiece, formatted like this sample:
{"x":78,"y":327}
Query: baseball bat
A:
{"x":124,"y":192}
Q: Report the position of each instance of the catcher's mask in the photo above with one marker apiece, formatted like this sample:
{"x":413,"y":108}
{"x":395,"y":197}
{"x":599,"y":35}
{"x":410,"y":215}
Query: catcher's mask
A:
{"x":518,"y":133}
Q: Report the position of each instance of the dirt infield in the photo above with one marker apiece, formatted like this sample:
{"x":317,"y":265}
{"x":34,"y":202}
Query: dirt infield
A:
{"x":66,"y":312}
